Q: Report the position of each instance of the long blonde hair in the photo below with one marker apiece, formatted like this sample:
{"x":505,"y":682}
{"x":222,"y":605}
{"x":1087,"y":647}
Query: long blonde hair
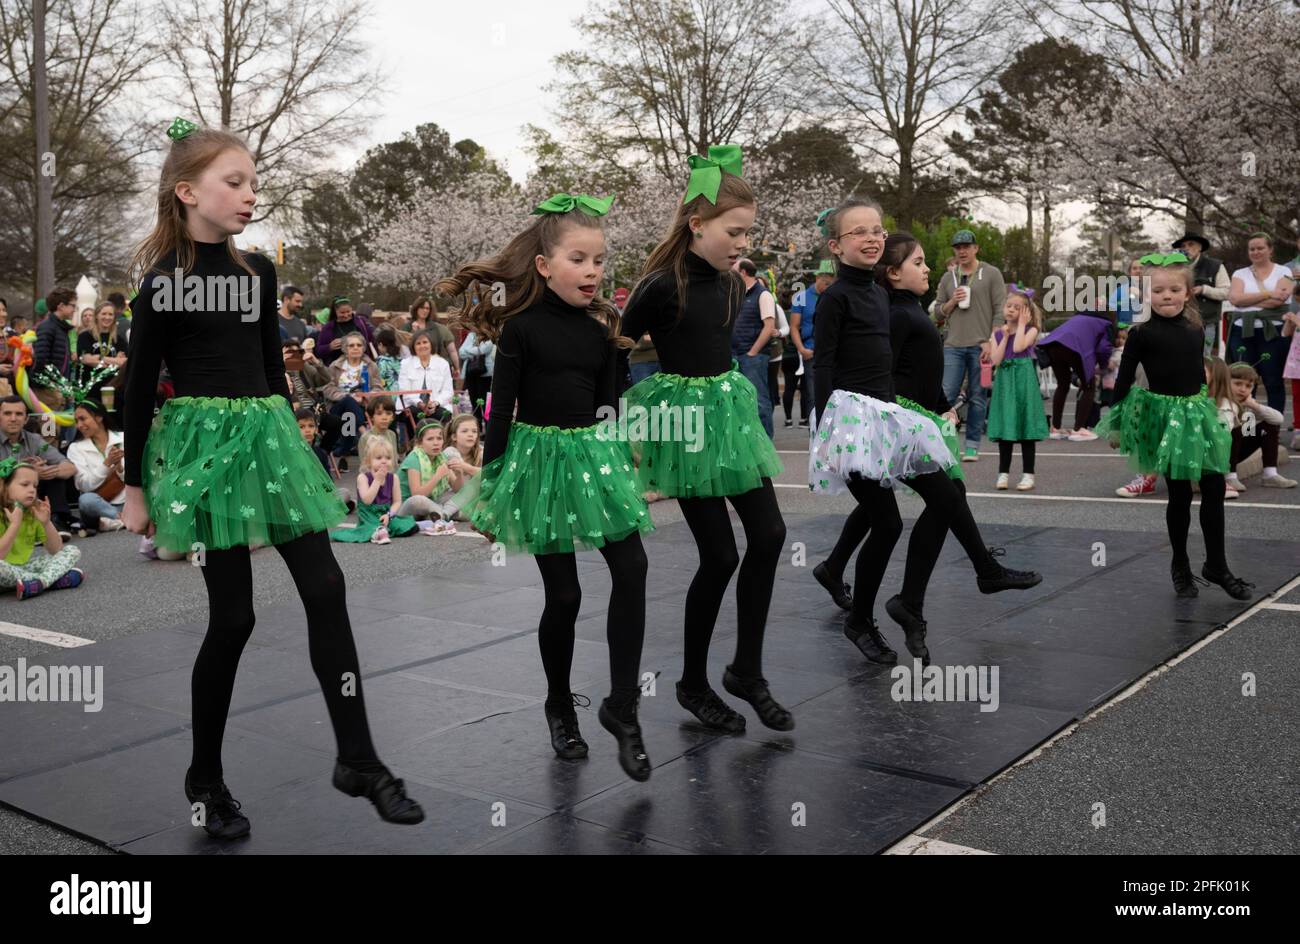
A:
{"x":515,"y":268}
{"x":186,"y":160}
{"x":669,"y":256}
{"x":1220,"y":382}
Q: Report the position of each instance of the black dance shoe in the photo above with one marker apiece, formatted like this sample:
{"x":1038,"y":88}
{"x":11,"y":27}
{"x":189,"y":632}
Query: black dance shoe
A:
{"x":566,"y":739}
{"x":913,"y":627}
{"x":1184,"y":580}
{"x":221,"y":816}
{"x":840,"y":592}
{"x":711,"y":710}
{"x":1006,"y":578}
{"x":385,"y":791}
{"x":869,"y":642}
{"x":755,"y":691}
{"x":631,"y":749}
{"x":1236,"y":588}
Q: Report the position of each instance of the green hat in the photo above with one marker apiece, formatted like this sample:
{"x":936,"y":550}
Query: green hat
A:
{"x":826,"y":267}
{"x":964,"y":236}
{"x":40,"y":306}
{"x":323,"y":315}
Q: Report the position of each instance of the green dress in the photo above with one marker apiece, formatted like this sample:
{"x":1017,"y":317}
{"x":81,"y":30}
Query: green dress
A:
{"x":368,"y":517}
{"x":1016,"y":411}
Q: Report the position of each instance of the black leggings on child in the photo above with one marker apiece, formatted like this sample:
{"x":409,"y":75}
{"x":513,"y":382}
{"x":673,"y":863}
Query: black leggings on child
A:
{"x":1178,"y":518}
{"x":319,"y":579}
{"x":1026,"y":454}
{"x":876,"y":518}
{"x":710,"y":524}
{"x":624,"y":626}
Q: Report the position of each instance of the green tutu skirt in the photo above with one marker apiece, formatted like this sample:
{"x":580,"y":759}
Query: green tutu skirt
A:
{"x":368,"y":523}
{"x":1181,"y":437}
{"x":229,"y":472}
{"x":698,"y":437}
{"x":947,"y":430}
{"x":555,"y":489}
{"x":1016,"y":411}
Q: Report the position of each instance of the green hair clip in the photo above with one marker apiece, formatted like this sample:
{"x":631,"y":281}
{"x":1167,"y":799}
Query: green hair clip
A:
{"x":180,"y":129}
{"x":7,"y":467}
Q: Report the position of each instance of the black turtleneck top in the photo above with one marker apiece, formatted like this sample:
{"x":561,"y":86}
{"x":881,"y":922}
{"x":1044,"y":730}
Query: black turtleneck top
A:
{"x":918,"y":352}
{"x":230,"y":349}
{"x":851,"y":338}
{"x":1171,"y":350}
{"x":555,"y":360}
{"x":698,"y":343}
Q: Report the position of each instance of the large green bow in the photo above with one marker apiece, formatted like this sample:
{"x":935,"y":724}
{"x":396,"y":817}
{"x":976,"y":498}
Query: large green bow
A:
{"x":180,"y":128}
{"x":821,"y":220}
{"x":1164,"y":259}
{"x":706,"y":172}
{"x":566,"y":203}
{"x":7,"y":467}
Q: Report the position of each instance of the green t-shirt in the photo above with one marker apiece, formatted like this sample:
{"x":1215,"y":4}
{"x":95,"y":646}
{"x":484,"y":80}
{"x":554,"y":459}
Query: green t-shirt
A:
{"x":30,"y":533}
{"x":425,"y":469}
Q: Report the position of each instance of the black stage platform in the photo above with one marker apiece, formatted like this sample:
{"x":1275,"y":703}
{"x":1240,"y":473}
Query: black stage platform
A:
{"x":455,"y":706}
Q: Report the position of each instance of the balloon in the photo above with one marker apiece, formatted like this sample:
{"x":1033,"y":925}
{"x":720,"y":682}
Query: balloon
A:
{"x":22,"y":359}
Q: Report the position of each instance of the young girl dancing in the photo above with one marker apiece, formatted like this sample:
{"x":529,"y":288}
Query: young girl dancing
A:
{"x":688,"y":298}
{"x":1173,"y":428}
{"x":553,"y":478}
{"x":224,"y":465}
{"x":864,"y":442}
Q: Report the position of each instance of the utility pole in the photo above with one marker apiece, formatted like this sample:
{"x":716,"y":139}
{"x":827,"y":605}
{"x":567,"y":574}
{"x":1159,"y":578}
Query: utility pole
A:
{"x":44,"y":165}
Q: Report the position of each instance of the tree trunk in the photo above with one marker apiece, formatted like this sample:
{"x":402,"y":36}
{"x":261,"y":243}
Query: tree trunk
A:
{"x":42,"y":173}
{"x":1031,"y":276}
{"x":1046,"y":262}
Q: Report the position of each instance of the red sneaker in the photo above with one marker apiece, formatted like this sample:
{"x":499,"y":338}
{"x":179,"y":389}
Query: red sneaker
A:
{"x":1141,"y":485}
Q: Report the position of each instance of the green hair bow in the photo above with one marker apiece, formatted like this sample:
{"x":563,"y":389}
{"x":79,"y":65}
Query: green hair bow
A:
{"x":180,"y":128}
{"x":1164,"y":259}
{"x":565,"y":203}
{"x":706,"y":172}
{"x":821,"y":220}
{"x":7,"y":467}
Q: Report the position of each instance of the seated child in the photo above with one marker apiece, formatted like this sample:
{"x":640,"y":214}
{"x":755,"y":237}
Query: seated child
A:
{"x":28,"y":524}
{"x":1257,"y":427}
{"x":381,"y":412}
{"x":306,"y":418}
{"x":428,"y":477}
{"x":378,"y":490}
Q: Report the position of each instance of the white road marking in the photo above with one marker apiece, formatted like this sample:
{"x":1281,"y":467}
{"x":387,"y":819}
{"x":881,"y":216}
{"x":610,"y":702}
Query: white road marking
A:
{"x":1289,"y":607}
{"x":919,"y":845}
{"x":65,"y":640}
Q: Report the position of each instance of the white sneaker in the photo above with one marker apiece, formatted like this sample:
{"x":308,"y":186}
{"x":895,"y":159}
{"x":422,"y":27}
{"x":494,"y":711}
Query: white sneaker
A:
{"x":1276,"y":481}
{"x":1058,"y":434}
{"x":1026,"y":483}
{"x":1229,"y":493}
{"x":1004,"y":481}
{"x":1082,"y":435}
{"x":1233,"y":482}
{"x":147,"y":548}
{"x":111,"y":524}
{"x":1295,"y":441}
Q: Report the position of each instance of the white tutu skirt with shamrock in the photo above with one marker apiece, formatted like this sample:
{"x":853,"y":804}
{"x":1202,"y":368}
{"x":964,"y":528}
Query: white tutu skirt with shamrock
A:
{"x":884,"y":442}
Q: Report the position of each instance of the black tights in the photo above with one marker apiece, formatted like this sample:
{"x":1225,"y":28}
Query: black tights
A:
{"x":1178,"y":518}
{"x":876,"y":518}
{"x":229,"y":578}
{"x":764,"y":540}
{"x":624,"y":627}
{"x":1026,"y":455}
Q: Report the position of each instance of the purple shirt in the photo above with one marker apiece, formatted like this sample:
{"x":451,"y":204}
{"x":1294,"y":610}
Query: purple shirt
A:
{"x":385,"y":494}
{"x":1011,"y":351}
{"x":1086,"y":335}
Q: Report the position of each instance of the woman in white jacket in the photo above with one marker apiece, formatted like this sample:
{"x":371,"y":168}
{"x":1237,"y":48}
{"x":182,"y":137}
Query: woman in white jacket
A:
{"x":98,"y":455}
{"x":425,"y":370}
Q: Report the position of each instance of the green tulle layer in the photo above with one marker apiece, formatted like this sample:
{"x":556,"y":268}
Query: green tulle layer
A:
{"x":227,"y":472}
{"x":1016,"y":409}
{"x":554,"y":491}
{"x":699,"y":437}
{"x":1180,"y":437}
{"x":947,"y":430}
